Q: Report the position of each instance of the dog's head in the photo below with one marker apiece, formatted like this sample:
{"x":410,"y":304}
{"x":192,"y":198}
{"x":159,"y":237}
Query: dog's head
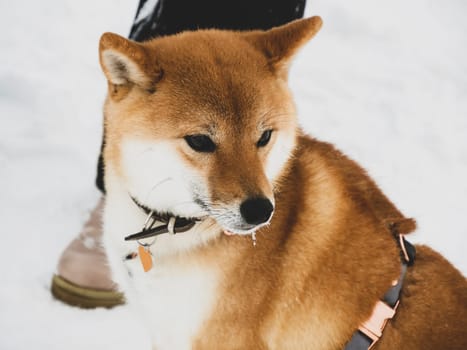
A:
{"x":202,"y":123}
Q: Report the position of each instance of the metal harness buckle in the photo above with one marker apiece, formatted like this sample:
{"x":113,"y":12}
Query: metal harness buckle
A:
{"x":374,"y":326}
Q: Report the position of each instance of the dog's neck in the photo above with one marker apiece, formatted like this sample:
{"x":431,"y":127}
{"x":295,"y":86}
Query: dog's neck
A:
{"x":122,"y":218}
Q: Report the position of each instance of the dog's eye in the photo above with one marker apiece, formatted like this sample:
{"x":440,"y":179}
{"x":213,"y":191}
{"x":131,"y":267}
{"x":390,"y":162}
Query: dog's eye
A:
{"x":264,"y":139}
{"x":200,"y":143}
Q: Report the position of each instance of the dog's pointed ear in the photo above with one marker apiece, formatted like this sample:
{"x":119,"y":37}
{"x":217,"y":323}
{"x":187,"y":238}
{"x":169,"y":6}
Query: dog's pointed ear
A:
{"x":281,"y":43}
{"x":127,"y":62}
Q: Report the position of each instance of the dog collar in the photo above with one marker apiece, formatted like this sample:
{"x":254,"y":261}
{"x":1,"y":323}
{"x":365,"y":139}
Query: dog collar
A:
{"x":371,"y":330}
{"x":170,"y":224}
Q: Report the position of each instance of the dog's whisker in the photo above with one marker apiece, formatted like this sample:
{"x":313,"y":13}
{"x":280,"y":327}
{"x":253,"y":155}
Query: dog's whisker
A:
{"x":151,"y":190}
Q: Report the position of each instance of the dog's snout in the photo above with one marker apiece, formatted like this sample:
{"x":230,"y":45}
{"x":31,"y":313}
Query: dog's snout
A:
{"x":256,"y":211}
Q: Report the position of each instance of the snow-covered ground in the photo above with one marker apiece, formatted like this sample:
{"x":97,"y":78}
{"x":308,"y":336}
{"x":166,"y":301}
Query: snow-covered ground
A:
{"x":385,"y":81}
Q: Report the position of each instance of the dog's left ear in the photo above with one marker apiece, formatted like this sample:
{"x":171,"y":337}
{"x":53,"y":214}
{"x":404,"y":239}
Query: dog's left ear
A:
{"x":281,"y":43}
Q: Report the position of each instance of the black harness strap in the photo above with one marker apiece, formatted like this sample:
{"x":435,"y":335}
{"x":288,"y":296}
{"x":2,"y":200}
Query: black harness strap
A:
{"x":359,"y":340}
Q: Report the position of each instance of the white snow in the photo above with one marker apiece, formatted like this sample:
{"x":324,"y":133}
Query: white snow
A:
{"x":385,"y":81}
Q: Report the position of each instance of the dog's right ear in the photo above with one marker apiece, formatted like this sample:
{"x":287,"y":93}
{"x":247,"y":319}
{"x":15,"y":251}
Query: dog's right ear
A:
{"x":126,"y":62}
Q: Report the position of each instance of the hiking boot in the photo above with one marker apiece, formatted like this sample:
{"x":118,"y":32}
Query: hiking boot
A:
{"x":83,"y":275}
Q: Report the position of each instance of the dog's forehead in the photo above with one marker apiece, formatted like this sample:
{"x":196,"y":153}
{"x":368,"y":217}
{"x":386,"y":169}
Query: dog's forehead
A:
{"x":206,"y":48}
{"x":214,"y":74}
{"x":212,"y":63}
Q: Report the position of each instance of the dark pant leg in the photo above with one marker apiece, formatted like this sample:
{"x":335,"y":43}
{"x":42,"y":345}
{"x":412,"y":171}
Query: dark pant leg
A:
{"x":173,"y":16}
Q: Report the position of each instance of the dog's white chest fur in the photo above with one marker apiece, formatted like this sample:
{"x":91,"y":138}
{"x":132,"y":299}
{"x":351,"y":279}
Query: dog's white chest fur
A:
{"x":175,"y":297}
{"x":174,"y":302}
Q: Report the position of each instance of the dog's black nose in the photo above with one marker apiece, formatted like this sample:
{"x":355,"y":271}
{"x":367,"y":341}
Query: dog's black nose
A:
{"x":255,"y":211}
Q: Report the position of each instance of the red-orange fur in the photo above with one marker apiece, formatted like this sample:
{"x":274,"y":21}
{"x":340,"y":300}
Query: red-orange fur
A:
{"x":328,"y":255}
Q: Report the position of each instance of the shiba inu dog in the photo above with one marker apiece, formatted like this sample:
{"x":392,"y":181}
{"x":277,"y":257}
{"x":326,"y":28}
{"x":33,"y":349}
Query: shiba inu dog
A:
{"x":229,"y":228}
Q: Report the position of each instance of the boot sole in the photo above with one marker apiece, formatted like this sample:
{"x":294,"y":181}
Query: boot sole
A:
{"x":85,"y":298}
